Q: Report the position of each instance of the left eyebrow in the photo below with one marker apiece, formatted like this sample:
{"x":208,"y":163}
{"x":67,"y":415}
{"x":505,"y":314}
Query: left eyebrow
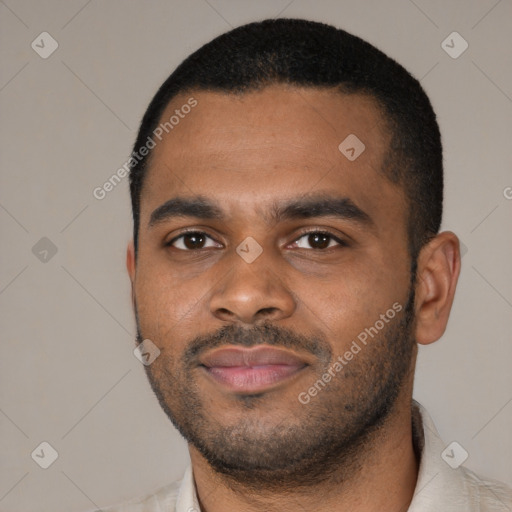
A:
{"x":320,"y":206}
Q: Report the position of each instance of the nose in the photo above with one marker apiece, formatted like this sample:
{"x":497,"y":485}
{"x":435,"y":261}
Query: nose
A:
{"x":251,"y":293}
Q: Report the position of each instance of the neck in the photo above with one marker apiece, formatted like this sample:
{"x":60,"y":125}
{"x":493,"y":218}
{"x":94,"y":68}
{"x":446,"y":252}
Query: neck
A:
{"x":383,"y":478}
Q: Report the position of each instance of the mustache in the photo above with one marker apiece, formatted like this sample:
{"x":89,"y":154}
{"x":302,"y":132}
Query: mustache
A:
{"x":263,"y":334}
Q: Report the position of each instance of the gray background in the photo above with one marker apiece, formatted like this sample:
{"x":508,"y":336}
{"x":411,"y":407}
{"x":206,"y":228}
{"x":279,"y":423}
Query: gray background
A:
{"x":68,"y":374}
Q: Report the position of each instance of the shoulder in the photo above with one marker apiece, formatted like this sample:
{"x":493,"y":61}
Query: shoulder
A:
{"x":447,"y":487}
{"x":491,"y":495}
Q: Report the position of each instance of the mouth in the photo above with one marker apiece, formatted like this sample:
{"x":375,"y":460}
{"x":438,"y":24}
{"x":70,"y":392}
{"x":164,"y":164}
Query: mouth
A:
{"x":251,"y":370}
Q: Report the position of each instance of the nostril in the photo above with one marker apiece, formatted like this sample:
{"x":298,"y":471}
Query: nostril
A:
{"x":267,"y":311}
{"x":223,"y":312}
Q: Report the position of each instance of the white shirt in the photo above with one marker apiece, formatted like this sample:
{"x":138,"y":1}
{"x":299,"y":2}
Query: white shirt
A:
{"x":439,"y":488}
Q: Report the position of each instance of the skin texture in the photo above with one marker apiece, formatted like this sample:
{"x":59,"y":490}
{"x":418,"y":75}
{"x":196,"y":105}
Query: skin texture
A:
{"x":350,"y":447}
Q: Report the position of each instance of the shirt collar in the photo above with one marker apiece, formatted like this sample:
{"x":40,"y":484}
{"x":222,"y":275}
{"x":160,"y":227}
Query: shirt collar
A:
{"x":438,"y":487}
{"x":187,"y":496}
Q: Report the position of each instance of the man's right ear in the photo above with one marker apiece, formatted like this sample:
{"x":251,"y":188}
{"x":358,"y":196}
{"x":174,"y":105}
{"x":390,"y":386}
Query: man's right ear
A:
{"x":130,"y":265}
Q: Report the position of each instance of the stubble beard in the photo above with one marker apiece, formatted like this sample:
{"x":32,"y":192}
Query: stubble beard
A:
{"x":328,"y":438}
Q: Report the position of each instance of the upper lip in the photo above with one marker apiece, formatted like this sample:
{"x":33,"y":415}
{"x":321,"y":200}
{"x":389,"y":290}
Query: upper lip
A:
{"x":254,"y":356}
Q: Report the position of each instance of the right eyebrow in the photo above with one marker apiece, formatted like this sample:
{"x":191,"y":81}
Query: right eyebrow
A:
{"x":197,"y":206}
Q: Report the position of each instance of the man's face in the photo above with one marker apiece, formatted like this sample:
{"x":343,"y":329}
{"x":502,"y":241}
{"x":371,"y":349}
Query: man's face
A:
{"x":293,"y":253}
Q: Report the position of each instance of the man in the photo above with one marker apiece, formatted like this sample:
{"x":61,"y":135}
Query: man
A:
{"x":287,"y":189}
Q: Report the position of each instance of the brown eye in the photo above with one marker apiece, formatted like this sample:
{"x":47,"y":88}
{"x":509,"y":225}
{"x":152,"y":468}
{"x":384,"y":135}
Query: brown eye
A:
{"x":317,"y":240}
{"x":194,"y":240}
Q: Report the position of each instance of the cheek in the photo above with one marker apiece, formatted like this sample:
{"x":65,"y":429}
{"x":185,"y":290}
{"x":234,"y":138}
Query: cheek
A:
{"x":165,"y":301}
{"x":351,"y":299}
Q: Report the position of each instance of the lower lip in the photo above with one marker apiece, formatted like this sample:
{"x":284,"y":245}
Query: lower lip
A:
{"x":252,"y":379}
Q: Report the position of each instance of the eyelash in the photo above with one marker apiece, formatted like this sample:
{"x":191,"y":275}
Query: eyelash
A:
{"x":341,"y":243}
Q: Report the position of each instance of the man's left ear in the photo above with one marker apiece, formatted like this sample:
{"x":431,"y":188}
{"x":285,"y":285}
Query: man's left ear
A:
{"x":437,"y":274}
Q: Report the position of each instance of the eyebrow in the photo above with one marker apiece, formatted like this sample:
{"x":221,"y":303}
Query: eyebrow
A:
{"x":320,"y":206}
{"x":303,"y":208}
{"x":197,"y":206}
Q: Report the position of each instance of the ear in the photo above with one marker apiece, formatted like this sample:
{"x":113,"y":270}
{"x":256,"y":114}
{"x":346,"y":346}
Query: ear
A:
{"x":130,"y":265}
{"x":437,"y":275}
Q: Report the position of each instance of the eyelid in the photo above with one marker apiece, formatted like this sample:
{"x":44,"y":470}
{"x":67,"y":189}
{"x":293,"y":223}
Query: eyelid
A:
{"x":323,"y":231}
{"x":190,"y":232}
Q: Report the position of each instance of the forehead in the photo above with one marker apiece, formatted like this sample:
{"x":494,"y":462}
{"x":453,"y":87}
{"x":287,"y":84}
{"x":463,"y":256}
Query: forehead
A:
{"x":307,"y":119}
{"x":280,"y":141}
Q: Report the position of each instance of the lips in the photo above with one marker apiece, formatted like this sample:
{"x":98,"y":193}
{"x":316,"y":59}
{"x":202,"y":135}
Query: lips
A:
{"x":251,"y":370}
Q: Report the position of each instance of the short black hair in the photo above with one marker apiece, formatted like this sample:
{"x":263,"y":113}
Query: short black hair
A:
{"x":311,"y":54}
